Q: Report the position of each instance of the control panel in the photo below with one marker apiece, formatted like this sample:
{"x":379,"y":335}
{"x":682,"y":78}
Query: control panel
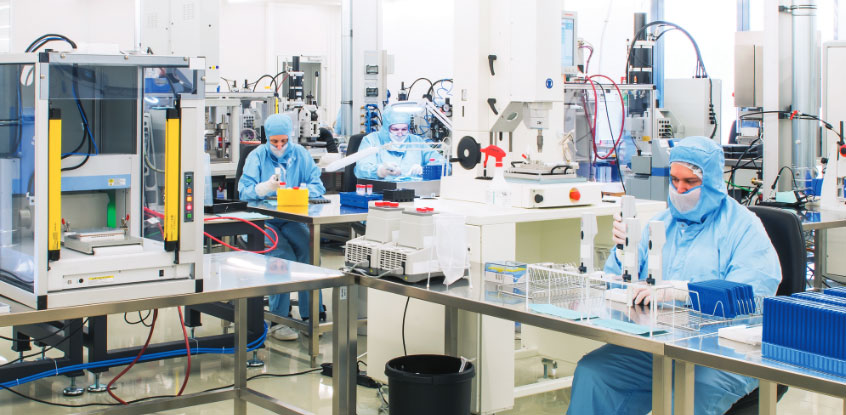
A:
{"x":189,"y":196}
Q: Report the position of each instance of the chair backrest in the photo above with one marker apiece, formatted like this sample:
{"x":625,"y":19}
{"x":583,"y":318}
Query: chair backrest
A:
{"x":245,"y":149}
{"x":349,"y":171}
{"x":327,"y":137}
{"x":785,"y":231}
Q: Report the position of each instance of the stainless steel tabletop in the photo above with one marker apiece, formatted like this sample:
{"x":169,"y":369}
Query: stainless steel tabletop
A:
{"x":228,"y":275}
{"x":317,"y":214}
{"x":489,"y":301}
{"x":712,"y":351}
{"x":822,"y":219}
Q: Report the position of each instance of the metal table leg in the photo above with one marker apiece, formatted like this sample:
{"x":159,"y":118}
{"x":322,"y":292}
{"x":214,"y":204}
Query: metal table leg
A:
{"x":819,"y":251}
{"x":684,"y":380}
{"x":240,"y":374}
{"x":767,"y":397}
{"x":344,"y":349}
{"x":314,"y":321}
{"x":451,"y":331}
{"x":662,"y":385}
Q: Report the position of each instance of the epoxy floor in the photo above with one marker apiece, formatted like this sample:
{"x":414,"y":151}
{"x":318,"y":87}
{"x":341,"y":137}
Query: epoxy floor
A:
{"x":308,"y":391}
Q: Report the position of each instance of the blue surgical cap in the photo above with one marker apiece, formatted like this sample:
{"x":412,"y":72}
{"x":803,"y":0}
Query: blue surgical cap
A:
{"x":278,"y":124}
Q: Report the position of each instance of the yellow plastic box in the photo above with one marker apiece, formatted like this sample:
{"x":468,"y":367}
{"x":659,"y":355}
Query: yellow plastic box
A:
{"x":292,"y":197}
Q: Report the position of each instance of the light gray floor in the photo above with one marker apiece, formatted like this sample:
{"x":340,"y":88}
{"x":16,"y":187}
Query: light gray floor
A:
{"x":309,"y":391}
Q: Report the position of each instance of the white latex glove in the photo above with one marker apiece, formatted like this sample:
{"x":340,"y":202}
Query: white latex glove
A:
{"x":386,"y":169}
{"x":667,"y":291}
{"x":618,"y":230}
{"x":416,"y":170}
{"x":265,"y":188}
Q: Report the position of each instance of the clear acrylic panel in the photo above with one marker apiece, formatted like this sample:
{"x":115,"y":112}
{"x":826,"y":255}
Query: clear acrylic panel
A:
{"x":162,"y":86}
{"x":17,"y":175}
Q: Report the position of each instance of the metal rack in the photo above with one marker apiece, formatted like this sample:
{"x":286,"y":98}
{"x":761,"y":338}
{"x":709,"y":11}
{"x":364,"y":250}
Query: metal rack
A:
{"x":565,"y":286}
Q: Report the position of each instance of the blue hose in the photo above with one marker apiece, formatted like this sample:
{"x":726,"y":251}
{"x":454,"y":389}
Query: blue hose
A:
{"x":127,"y":360}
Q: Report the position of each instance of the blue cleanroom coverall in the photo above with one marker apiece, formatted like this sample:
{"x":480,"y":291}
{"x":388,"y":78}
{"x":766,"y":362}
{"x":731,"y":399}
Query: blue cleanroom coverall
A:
{"x":413,"y":149}
{"x":718,"y":239}
{"x":297,"y":167}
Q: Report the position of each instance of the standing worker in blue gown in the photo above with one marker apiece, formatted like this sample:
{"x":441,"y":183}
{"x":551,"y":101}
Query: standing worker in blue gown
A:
{"x":259,"y":180}
{"x":709,"y":236}
{"x":407,"y":155}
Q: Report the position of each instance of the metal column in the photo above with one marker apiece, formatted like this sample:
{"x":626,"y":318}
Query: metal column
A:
{"x":345,"y":349}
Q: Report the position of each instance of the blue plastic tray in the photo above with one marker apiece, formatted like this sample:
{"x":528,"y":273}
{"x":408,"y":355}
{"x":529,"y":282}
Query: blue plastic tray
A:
{"x":839,"y":291}
{"x":805,"y":359}
{"x":354,"y":199}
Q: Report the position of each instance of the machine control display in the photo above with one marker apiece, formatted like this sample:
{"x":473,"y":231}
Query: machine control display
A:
{"x":189,"y":196}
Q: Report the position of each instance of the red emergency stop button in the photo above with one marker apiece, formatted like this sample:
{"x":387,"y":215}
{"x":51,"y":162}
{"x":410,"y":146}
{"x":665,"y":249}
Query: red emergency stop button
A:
{"x":575,"y":195}
{"x":842,"y":151}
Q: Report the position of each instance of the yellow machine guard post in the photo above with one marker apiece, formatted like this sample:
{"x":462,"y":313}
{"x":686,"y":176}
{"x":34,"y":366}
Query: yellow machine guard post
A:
{"x":172,"y":195}
{"x":54,"y":184}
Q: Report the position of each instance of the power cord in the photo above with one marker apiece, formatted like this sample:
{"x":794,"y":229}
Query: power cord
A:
{"x":85,"y":405}
{"x":46,"y":349}
{"x":404,"y":312}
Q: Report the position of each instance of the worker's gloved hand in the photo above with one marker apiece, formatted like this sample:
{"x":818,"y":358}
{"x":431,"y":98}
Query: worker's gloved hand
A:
{"x":265,"y":188}
{"x":667,"y":291}
{"x":618,"y":230}
{"x":386,"y":169}
{"x":415,"y":170}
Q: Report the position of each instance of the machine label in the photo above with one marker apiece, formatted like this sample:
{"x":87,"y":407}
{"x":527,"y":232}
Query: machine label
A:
{"x":117,"y":182}
{"x":104,"y":277}
{"x":343,"y":293}
{"x":548,"y":83}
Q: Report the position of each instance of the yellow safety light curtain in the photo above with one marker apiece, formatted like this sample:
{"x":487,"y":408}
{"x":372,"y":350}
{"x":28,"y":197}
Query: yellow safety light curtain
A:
{"x":172,"y":187}
{"x":54,"y":184}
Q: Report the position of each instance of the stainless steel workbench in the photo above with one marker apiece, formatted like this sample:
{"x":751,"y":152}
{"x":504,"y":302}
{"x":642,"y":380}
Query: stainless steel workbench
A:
{"x":235,"y":276}
{"x":686,"y":347}
{"x":313,"y":216}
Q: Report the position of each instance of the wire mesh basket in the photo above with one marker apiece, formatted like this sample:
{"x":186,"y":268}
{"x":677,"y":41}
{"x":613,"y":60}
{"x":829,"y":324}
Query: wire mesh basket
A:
{"x":565,"y":286}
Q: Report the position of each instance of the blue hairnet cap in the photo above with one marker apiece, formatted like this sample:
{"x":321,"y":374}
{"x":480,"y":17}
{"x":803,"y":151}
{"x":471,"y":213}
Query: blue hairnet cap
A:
{"x":706,"y":154}
{"x":391,"y":117}
{"x":278,"y":124}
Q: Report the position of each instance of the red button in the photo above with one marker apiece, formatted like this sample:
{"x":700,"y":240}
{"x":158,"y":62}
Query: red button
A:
{"x":575,"y":195}
{"x":188,"y":190}
{"x":189,"y":207}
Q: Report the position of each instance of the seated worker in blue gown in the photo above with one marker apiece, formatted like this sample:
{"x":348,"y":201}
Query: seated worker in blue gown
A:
{"x":259,"y":181}
{"x":406,"y":157}
{"x":708,"y":236}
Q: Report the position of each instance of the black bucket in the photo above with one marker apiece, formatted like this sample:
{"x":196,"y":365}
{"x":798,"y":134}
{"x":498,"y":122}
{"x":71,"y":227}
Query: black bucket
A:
{"x":429,"y":384}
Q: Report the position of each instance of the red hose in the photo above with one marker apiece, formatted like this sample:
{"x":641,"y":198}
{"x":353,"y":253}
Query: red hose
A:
{"x":275,"y":237}
{"x":140,"y":353}
{"x":188,"y":349}
{"x":623,"y":114}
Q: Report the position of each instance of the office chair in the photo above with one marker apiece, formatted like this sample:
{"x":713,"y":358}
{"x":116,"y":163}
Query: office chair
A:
{"x":246,"y":149}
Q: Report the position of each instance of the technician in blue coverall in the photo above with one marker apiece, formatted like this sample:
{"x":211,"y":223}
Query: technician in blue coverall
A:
{"x":407,"y":159}
{"x":259,"y":180}
{"x":709,"y":236}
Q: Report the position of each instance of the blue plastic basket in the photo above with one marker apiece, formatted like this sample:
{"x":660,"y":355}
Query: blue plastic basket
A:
{"x":353,"y":199}
{"x":806,"y":329}
{"x":722,"y":298}
{"x":839,"y":291}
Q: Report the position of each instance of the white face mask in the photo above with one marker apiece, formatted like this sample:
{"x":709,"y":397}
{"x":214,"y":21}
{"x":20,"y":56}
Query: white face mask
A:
{"x":685,"y":202}
{"x":398,"y":139}
{"x":278,"y":152}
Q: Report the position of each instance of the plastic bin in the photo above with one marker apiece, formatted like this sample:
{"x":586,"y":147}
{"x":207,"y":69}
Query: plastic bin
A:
{"x":429,"y":384}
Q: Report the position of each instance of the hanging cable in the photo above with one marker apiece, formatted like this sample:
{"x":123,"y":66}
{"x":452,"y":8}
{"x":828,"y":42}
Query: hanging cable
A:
{"x":140,"y":353}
